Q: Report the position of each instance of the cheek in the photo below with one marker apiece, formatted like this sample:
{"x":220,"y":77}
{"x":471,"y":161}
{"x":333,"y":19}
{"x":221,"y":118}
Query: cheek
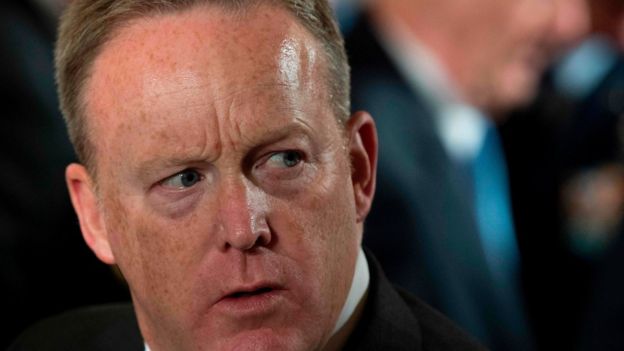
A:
{"x":325,"y":213}
{"x":323,"y":239}
{"x":154,"y":255}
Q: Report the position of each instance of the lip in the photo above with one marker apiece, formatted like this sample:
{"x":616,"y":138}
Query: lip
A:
{"x":256,"y":299}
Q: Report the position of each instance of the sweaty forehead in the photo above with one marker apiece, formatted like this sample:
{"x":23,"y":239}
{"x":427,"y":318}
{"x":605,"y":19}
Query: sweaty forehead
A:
{"x":194,"y":83}
{"x":206,"y":46}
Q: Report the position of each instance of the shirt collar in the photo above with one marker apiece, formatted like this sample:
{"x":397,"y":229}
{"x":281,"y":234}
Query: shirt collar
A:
{"x":359,"y":285}
{"x":580,"y":71}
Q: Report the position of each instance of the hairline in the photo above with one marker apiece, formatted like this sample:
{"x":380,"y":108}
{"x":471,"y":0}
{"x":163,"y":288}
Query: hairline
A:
{"x":79,"y":123}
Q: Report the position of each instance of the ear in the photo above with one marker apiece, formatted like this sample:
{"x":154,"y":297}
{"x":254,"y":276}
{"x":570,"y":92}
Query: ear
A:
{"x":363,"y":153}
{"x":84,"y":198}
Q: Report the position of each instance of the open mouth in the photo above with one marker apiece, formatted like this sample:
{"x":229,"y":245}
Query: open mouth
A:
{"x":250,"y":301}
{"x":260,"y":291}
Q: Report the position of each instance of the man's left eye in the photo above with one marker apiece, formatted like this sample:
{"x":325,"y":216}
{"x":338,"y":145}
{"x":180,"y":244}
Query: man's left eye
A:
{"x":285,"y":159}
{"x":182,"y":180}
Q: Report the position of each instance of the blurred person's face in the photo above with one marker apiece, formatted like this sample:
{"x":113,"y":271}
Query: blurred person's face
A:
{"x":226,"y":192}
{"x":508,"y":51}
{"x":493,"y":50}
{"x":570,"y":23}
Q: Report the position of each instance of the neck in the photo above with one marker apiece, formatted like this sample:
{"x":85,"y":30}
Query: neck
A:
{"x":339,"y":339}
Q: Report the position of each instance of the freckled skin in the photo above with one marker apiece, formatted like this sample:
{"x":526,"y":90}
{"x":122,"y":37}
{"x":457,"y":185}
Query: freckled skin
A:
{"x":209,"y":88}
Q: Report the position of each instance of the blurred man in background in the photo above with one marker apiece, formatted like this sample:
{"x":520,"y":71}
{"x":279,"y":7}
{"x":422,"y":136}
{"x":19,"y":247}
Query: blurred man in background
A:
{"x":436,"y":75}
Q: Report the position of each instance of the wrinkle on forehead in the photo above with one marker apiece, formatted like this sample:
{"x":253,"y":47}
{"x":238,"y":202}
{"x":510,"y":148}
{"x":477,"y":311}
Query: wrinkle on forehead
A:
{"x":199,"y":32}
{"x":203,"y":78}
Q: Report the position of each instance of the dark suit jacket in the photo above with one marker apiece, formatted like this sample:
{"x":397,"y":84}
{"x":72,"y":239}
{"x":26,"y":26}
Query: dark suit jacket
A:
{"x":604,"y":322}
{"x":422,"y":225}
{"x":392,"y":320}
{"x":548,"y":141}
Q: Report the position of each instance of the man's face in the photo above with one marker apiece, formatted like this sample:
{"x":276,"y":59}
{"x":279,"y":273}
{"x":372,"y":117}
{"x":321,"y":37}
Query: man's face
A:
{"x":570,"y":24}
{"x":225,"y":192}
{"x":525,"y":52}
{"x":503,"y":42}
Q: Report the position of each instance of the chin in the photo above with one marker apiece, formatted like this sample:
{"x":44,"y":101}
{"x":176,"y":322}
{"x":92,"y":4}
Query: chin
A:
{"x":264,"y":339}
{"x":517,"y":88}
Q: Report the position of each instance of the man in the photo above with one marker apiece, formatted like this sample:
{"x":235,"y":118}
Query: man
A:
{"x":435,"y":74}
{"x":222,"y":175}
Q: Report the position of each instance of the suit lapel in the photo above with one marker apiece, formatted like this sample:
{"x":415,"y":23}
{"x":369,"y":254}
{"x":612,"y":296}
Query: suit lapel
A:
{"x":387,"y":322}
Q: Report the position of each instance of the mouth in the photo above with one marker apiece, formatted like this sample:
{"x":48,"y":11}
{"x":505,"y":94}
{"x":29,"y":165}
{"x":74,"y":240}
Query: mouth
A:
{"x":251,"y":293}
{"x":254,"y":300}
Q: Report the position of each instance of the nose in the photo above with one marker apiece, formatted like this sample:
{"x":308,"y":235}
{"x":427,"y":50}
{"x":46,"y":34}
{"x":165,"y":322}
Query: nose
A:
{"x":243,"y":216}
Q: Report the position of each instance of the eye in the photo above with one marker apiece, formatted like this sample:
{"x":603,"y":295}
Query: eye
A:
{"x":284,"y":171}
{"x":182,"y":180}
{"x":285,"y":159}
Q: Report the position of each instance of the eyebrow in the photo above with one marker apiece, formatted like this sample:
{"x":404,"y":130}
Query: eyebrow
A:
{"x":278,"y":134}
{"x":150,"y":168}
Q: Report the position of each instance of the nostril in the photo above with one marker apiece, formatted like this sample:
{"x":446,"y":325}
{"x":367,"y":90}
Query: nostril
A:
{"x":248,"y":239}
{"x":264,"y":238}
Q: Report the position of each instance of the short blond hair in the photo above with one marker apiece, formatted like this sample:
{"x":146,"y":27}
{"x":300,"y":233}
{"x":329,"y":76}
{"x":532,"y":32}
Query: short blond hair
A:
{"x":89,"y":24}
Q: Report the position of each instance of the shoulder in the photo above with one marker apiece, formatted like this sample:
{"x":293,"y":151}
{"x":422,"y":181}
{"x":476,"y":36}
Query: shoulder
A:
{"x":394,"y":319}
{"x":109,"y":327}
{"x":437,"y":331}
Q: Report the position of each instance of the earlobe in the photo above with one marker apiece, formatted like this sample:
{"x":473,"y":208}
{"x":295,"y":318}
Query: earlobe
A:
{"x":363,"y":153}
{"x":84,"y":199}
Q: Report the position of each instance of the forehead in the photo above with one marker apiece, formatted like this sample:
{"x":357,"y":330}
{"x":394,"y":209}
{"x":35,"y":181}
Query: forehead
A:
{"x":205,"y":38}
{"x":200,"y":56}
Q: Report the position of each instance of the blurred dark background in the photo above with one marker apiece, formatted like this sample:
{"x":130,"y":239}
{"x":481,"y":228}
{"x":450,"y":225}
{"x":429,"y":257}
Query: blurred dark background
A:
{"x":45,"y":266}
